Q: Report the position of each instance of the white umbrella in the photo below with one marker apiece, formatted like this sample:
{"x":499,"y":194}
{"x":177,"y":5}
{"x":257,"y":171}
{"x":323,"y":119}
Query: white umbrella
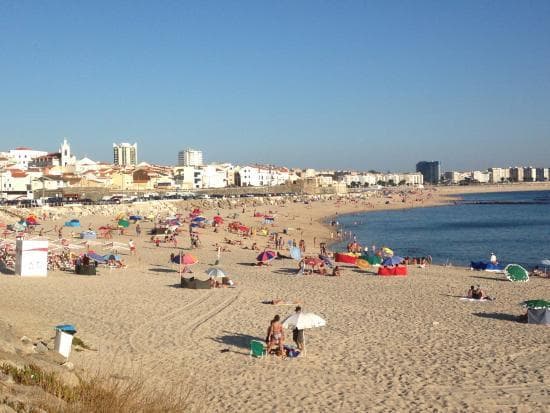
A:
{"x":302,"y":321}
{"x":215,"y":272}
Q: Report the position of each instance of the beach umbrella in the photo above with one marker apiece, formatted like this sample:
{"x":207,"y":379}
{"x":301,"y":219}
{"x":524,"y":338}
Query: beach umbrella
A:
{"x":313,"y":261}
{"x":266,"y":256}
{"x":394,"y":260}
{"x":111,"y":257}
{"x":123,"y":223}
{"x":387,"y":251}
{"x":296,"y":253}
{"x":96,"y":257}
{"x":516,"y":273}
{"x":185,"y":259}
{"x":215,"y":272}
{"x":303,"y":321}
{"x":536,"y":304}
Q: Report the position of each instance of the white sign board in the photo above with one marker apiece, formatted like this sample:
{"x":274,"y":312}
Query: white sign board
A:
{"x":31,"y":258}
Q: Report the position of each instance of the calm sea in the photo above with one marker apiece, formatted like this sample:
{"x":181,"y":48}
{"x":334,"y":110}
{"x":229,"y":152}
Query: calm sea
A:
{"x":516,"y":228}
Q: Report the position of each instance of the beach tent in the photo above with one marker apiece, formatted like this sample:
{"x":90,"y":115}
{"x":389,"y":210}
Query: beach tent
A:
{"x":345,"y":258}
{"x":72,"y":223}
{"x":88,"y":235}
{"x":516,"y":273}
{"x":486,"y":266}
{"x":388,"y":271}
{"x":538,"y":311}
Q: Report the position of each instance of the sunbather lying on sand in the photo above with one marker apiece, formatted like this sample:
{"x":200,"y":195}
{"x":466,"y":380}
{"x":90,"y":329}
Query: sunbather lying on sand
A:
{"x":477,"y":294}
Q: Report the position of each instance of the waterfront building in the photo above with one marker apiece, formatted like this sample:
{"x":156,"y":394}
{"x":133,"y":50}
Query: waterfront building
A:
{"x":190,"y":157}
{"x":516,"y":174}
{"x":430,"y":170}
{"x":125,"y":154}
{"x":529,"y":174}
{"x":543,"y":174}
{"x":499,"y":175}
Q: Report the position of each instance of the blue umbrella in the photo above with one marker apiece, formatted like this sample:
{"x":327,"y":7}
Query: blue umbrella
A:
{"x":96,"y":257}
{"x":111,"y":257}
{"x":395,"y":260}
{"x":295,"y":253}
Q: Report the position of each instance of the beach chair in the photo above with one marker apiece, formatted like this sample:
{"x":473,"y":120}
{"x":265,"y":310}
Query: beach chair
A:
{"x":257,"y":349}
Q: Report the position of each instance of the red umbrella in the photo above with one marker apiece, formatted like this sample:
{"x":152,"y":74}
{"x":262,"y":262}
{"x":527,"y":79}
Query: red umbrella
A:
{"x":313,"y":261}
{"x":266,"y":256}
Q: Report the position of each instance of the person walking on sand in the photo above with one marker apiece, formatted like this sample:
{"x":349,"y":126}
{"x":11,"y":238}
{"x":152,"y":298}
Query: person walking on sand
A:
{"x":132,"y":246}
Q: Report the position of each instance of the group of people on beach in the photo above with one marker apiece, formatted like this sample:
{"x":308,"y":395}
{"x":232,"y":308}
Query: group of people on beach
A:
{"x":275,"y":339}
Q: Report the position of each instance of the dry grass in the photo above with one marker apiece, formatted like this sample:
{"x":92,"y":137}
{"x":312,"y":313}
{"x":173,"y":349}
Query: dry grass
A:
{"x":102,"y":394}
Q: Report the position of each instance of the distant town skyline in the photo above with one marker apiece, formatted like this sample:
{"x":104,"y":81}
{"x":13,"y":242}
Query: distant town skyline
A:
{"x":342,"y":85}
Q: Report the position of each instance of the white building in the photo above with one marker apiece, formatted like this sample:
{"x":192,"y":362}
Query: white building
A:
{"x":125,"y":154}
{"x":190,"y":157}
{"x":499,"y":175}
{"x":22,"y":156}
{"x":261,"y":176}
{"x":15,"y":183}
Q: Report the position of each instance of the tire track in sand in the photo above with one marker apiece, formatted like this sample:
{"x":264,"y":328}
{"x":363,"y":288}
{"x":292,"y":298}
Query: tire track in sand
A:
{"x":171,"y":314}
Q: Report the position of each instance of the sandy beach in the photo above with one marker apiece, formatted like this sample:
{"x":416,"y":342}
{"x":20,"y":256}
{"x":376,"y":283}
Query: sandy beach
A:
{"x":390,"y":344}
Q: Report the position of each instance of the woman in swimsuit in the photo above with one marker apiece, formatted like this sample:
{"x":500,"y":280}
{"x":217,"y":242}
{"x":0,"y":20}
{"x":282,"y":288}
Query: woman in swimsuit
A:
{"x":275,"y":336}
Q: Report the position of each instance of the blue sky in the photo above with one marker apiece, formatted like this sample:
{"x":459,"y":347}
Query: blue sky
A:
{"x":323,"y":84}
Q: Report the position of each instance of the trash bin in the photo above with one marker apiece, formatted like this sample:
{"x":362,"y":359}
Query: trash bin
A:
{"x":64,"y":339}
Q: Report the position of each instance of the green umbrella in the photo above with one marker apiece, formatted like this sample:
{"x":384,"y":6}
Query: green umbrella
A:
{"x":516,"y":273}
{"x":372,"y":259}
{"x":123,"y":223}
{"x":536,"y":304}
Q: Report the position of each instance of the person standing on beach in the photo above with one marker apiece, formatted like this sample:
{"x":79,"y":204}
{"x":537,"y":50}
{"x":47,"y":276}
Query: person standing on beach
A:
{"x":298,"y":335}
{"x":132,"y":246}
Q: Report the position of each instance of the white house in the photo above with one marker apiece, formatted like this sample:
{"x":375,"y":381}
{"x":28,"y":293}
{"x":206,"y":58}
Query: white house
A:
{"x":22,"y":156}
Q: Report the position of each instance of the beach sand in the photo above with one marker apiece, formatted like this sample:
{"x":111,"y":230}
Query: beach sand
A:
{"x":390,"y":343}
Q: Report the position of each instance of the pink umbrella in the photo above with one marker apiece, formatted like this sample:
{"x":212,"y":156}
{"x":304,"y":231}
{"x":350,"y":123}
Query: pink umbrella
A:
{"x":266,"y":256}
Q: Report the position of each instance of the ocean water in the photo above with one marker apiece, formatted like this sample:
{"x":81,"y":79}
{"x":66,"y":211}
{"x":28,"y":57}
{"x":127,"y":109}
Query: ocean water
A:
{"x":514,"y":225}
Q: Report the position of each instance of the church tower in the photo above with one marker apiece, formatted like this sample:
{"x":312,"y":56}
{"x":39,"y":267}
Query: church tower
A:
{"x":65,"y":152}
